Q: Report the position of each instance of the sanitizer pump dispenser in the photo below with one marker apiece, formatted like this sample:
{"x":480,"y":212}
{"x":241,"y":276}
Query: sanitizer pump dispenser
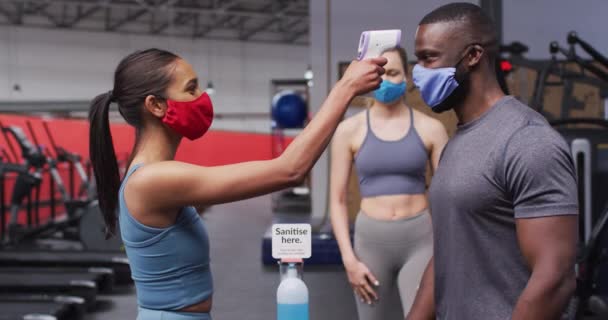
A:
{"x":292,"y":294}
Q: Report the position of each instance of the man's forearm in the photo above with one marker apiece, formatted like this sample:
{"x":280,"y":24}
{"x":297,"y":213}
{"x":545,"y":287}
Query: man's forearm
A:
{"x":545,"y":296}
{"x":424,"y":304}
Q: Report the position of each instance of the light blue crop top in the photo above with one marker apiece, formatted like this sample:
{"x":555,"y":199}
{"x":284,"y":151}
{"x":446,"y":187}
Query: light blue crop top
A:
{"x":170,"y":266}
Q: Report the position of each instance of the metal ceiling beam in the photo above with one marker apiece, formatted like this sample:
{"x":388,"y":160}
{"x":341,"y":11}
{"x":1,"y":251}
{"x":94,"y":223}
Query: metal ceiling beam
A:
{"x":179,"y":20}
{"x":9,"y":15}
{"x":129,"y":18}
{"x":294,"y":23}
{"x":159,"y":28}
{"x":183,"y":18}
{"x":64,"y":15}
{"x":107,"y":16}
{"x":54,"y":20}
{"x":238,"y":23}
{"x":175,"y":35}
{"x":250,"y":33}
{"x":277,"y":17}
{"x":296,"y":35}
{"x":83,"y":15}
{"x":217,"y":24}
{"x":195,"y":25}
{"x":228,"y":4}
{"x":199,"y":32}
{"x":171,"y":16}
{"x":176,"y":8}
{"x":20,"y":11}
{"x":141,"y":3}
{"x":36,"y":9}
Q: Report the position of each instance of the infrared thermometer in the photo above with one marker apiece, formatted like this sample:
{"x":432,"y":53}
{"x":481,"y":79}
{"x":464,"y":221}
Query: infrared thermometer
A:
{"x":374,"y":43}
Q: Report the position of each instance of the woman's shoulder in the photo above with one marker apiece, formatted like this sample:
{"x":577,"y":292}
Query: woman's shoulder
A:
{"x":147,"y":175}
{"x":426,"y":122}
{"x":156,"y":185}
{"x":353,"y":123}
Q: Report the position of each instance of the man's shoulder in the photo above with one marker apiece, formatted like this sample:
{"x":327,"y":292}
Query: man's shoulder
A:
{"x":513,"y":117}
{"x":536,"y":142}
{"x":520,"y":114}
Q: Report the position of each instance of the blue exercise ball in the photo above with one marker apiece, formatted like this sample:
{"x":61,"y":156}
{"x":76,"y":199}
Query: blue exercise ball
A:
{"x":289,"y":109}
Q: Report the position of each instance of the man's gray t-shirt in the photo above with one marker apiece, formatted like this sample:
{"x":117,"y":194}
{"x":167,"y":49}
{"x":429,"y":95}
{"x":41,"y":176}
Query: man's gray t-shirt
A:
{"x":508,"y":164}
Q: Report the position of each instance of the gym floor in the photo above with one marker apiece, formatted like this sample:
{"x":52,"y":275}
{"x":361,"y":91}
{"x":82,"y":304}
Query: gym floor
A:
{"x":244,"y":288}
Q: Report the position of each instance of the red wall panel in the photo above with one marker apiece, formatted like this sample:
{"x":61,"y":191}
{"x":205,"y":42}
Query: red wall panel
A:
{"x":215,"y":148}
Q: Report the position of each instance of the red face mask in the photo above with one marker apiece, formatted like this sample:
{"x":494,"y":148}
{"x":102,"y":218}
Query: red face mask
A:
{"x":191,"y":119}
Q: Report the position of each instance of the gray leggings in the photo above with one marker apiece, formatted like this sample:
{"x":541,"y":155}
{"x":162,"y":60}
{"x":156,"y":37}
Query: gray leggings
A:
{"x":396,"y":252}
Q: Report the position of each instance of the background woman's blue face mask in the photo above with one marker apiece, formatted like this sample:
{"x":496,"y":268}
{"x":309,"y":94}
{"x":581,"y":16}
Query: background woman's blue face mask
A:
{"x":390,"y":92}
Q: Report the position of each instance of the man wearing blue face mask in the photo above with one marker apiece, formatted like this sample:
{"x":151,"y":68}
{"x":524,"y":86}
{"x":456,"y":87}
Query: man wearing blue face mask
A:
{"x":503,"y":198}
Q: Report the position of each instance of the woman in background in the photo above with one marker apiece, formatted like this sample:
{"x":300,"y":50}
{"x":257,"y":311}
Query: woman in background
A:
{"x":390,"y":145}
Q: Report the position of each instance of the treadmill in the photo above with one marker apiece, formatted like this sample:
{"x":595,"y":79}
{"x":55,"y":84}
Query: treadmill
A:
{"x":117,"y":262}
{"x":103,"y":277}
{"x":41,"y":306}
{"x":68,"y":284}
{"x":20,"y":256}
{"x":49,"y":310}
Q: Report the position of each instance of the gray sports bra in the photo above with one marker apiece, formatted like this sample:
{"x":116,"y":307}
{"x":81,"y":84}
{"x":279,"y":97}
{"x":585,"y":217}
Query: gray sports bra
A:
{"x":391,"y":167}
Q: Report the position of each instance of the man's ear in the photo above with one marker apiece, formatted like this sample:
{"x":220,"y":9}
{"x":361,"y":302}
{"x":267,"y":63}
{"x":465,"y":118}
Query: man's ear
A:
{"x":157,"y":107}
{"x":475,"y":54}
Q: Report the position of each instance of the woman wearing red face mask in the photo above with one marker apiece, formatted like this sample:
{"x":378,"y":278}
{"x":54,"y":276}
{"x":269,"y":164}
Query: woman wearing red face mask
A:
{"x":166,"y":242}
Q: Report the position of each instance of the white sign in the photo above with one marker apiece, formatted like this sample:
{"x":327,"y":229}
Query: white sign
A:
{"x":291,"y":241}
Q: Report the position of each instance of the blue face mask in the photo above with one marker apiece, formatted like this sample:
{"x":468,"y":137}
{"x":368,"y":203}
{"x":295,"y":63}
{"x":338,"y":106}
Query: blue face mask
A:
{"x":435,"y":85}
{"x":389,"y":92}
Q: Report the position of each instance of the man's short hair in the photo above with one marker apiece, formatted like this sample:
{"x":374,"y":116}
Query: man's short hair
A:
{"x":478,"y":26}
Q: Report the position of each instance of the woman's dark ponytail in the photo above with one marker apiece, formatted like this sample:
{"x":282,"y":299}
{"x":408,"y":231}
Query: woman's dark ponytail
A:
{"x":138,"y":75}
{"x":103,"y":158}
